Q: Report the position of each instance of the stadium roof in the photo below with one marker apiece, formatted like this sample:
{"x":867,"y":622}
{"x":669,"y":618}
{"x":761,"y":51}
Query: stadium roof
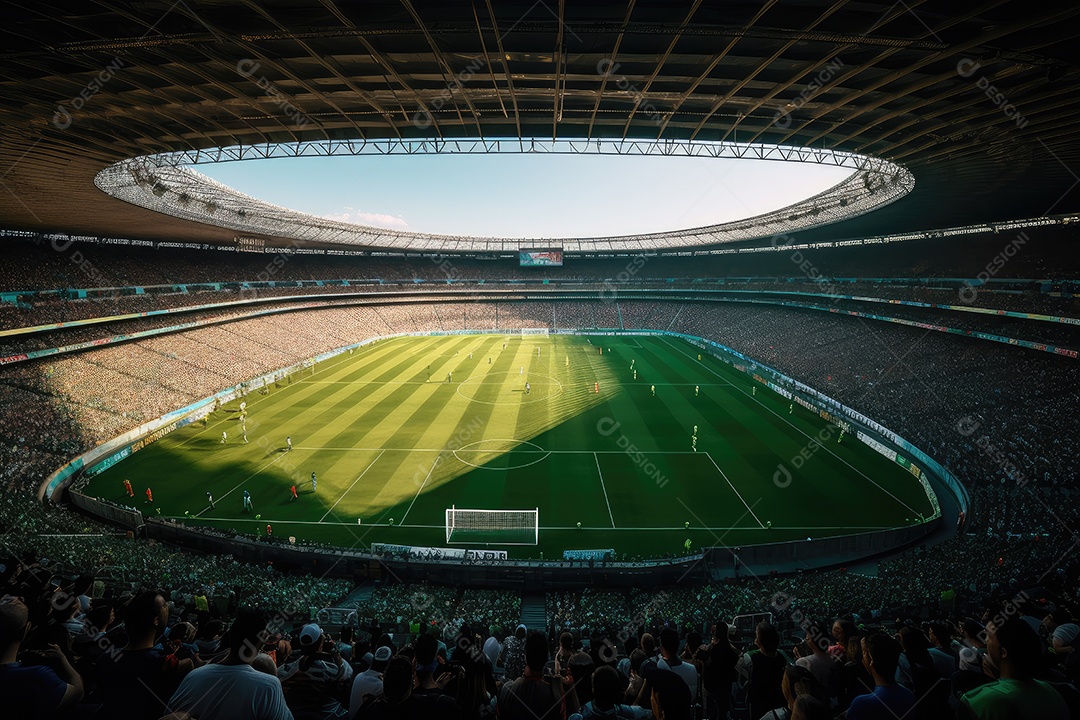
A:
{"x":977,"y":100}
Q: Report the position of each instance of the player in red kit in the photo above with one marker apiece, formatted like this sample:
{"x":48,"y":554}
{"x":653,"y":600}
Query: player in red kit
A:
{"x":127,"y":486}
{"x":149,"y":496}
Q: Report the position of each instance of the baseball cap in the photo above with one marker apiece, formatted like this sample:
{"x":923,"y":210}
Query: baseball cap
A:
{"x":383,"y":654}
{"x":310,"y":634}
{"x":521,"y":627}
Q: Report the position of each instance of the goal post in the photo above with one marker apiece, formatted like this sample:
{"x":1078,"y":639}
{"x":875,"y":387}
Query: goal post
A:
{"x":498,"y":527}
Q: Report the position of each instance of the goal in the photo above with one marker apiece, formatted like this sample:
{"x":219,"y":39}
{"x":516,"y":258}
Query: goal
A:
{"x":499,"y":527}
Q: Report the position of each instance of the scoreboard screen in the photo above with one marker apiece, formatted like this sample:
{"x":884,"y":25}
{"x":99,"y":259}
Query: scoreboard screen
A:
{"x":540,"y":258}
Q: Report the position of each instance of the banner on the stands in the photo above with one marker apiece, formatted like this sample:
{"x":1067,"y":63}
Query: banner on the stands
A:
{"x":434,"y":553}
{"x":608,"y":554}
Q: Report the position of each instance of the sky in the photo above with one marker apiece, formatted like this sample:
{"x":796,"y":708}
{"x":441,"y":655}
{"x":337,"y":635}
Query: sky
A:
{"x":528,"y":195}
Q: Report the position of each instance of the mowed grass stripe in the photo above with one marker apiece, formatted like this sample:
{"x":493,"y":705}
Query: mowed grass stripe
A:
{"x":645,"y":489}
{"x":329,"y":408}
{"x":663,"y":429}
{"x":434,"y":424}
{"x":751,"y":459}
{"x":354,"y":401}
{"x":735,"y":467}
{"x":484,"y":422}
{"x":379,"y":422}
{"x":363,"y":419}
{"x":530,"y":419}
{"x":284,"y":406}
{"x":826,"y":475}
{"x":343,"y":425}
{"x":741,"y":453}
{"x":264,"y":403}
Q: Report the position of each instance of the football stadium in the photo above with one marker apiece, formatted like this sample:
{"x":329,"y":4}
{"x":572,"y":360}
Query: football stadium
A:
{"x":406,"y":359}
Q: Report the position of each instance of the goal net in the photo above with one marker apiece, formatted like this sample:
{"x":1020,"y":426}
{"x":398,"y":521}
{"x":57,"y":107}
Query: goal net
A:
{"x":500,"y":527}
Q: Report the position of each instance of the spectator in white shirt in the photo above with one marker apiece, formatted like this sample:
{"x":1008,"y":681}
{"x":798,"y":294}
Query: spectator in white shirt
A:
{"x":669,"y":660}
{"x":233,"y":689}
{"x":369,"y":682}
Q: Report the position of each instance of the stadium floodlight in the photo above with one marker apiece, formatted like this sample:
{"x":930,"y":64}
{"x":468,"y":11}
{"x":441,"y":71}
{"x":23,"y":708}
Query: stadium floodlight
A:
{"x":498,"y":527}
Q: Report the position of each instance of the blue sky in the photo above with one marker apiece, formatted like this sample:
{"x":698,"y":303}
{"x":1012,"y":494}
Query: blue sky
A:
{"x":532,"y":195}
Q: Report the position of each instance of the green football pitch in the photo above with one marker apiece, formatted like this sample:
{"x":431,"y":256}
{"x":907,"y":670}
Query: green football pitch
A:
{"x":402,"y":429}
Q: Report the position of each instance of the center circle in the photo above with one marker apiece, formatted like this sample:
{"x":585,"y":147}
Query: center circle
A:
{"x":552,"y":388}
{"x":541,"y":452}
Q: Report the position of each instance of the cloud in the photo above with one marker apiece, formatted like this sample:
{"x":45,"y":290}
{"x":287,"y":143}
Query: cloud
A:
{"x":358,"y":217}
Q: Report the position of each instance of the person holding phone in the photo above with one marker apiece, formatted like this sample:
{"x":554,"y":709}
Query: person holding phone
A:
{"x":32,"y":690}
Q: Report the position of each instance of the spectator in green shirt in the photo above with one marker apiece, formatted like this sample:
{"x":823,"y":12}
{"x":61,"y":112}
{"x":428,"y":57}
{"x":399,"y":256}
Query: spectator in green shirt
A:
{"x":1014,"y":650}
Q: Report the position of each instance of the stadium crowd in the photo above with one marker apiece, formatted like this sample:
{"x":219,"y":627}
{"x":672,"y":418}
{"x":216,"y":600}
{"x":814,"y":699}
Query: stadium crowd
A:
{"x":97,"y":646}
{"x":54,"y":263}
{"x":995,"y":415}
{"x":45,"y":279}
{"x":990,"y":413}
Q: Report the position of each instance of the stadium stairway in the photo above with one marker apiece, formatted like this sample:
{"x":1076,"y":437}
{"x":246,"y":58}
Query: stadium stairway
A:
{"x":534,"y":612}
{"x":360,"y":596}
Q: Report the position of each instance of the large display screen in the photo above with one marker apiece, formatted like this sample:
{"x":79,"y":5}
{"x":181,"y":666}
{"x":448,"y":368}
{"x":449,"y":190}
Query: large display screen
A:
{"x":540,"y":258}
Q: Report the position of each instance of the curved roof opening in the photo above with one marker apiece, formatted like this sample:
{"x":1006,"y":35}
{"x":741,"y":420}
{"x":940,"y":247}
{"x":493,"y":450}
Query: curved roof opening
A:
{"x":684,"y":179}
{"x":529,"y":195}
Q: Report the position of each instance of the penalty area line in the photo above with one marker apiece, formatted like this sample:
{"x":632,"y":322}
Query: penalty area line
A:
{"x":604,"y":488}
{"x":804,"y":434}
{"x":426,"y":478}
{"x":371,"y":465}
{"x":737,"y":493}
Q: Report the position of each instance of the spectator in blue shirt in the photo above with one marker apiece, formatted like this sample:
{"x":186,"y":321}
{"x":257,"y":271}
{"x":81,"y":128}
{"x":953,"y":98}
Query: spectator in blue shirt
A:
{"x":890,"y":700}
{"x":32,"y":691}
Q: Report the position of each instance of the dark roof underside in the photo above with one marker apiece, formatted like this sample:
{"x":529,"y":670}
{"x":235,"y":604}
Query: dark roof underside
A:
{"x":978,"y":99}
